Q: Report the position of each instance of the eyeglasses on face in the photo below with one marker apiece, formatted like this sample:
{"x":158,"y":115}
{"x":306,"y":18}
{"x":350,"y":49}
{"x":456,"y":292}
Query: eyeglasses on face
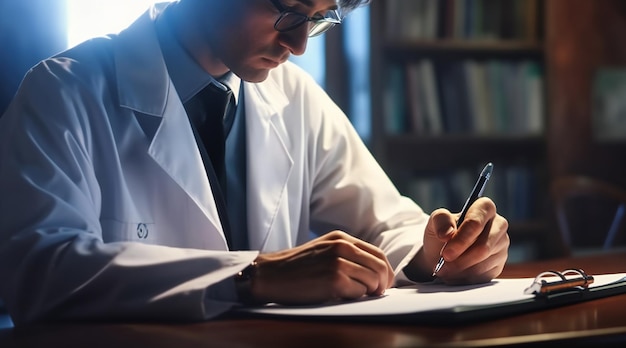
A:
{"x":290,"y":20}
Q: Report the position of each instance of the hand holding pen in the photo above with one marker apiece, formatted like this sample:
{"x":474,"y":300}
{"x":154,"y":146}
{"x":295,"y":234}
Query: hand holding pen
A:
{"x":477,"y":191}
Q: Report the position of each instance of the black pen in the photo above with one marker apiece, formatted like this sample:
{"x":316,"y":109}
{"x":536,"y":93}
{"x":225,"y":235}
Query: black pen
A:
{"x":479,"y":187}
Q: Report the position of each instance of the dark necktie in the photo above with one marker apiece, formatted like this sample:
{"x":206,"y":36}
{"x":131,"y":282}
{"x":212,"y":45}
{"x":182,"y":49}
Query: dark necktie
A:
{"x":211,"y":115}
{"x":211,"y":111}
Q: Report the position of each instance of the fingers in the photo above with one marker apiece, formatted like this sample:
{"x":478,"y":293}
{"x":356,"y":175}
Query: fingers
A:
{"x":368,"y":248}
{"x":484,"y":259}
{"x":482,"y":272}
{"x":439,"y":229}
{"x":346,"y":270}
{"x":363,"y":264}
{"x":477,"y":220}
{"x":332,"y":267}
{"x":442,"y":224}
{"x":475,"y":251}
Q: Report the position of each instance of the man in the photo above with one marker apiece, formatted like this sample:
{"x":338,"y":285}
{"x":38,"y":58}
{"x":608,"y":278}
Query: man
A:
{"x":111,"y":201}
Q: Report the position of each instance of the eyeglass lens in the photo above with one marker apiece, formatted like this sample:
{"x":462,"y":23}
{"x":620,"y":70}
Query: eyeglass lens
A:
{"x":291,"y":20}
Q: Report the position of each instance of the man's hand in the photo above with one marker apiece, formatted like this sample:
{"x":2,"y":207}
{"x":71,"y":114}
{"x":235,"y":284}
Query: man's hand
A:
{"x":335,"y":266}
{"x":474,"y":252}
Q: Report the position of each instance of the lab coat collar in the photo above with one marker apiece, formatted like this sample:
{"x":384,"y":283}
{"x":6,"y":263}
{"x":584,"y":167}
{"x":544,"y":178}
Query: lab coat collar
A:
{"x":145,"y":89}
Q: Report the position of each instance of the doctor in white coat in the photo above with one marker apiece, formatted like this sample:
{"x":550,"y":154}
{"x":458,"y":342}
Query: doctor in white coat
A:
{"x":107,"y":211}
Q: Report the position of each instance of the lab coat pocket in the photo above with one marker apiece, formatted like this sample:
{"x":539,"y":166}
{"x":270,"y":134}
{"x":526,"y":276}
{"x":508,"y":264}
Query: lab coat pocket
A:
{"x":124,"y":231}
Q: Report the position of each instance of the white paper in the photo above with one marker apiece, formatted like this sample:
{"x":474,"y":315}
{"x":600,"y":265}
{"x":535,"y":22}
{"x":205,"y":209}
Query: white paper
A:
{"x":423,"y":297}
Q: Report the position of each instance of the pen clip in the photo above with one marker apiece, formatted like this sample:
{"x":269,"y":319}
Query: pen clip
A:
{"x":568,"y":279}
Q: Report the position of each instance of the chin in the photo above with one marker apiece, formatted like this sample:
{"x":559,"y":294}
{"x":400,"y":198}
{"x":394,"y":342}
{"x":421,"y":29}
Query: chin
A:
{"x":253,"y":75}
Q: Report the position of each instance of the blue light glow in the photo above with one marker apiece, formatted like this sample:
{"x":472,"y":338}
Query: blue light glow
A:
{"x":90,"y":18}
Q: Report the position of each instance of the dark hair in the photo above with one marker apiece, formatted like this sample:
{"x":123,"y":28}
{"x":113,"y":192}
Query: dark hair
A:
{"x":349,"y":5}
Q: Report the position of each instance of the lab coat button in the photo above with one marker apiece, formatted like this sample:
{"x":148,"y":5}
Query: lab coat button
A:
{"x":142,"y":230}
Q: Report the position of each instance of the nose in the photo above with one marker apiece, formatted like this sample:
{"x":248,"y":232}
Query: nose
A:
{"x":295,"y":40}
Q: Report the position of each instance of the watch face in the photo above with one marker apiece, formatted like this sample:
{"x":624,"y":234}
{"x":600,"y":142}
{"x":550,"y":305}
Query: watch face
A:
{"x":243,"y":284}
{"x":247,"y":273}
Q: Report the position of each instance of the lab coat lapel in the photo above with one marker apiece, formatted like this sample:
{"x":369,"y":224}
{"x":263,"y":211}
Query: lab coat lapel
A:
{"x":174,"y":148}
{"x":152,"y":96}
{"x":269,"y":167}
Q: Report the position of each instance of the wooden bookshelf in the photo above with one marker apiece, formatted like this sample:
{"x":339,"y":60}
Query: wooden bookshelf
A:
{"x":462,"y":150}
{"x":407,"y":50}
{"x":573,"y":39}
{"x":583,"y":37}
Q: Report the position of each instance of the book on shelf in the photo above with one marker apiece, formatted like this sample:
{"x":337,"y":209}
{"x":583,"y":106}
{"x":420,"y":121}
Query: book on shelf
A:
{"x":415,"y":19}
{"x":479,"y":97}
{"x":423,"y":98}
{"x":431,"y":97}
{"x":463,"y":19}
{"x":467,"y":96}
{"x":535,"y":87}
{"x":429,"y":193}
{"x":454,"y":97}
{"x":394,"y":101}
{"x":415,"y":99}
{"x":496,"y":86}
{"x":609,"y":104}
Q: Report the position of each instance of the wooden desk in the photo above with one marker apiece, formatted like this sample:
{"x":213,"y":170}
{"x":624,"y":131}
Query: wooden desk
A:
{"x":600,"y":322}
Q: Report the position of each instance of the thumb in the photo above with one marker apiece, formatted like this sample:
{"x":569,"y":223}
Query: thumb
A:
{"x":440,"y":228}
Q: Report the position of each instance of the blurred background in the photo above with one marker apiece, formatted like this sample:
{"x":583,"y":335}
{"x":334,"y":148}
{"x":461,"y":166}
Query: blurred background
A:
{"x":437,"y":88}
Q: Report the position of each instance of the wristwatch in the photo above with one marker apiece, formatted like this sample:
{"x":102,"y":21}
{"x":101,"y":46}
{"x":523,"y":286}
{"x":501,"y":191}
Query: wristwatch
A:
{"x":243,"y":284}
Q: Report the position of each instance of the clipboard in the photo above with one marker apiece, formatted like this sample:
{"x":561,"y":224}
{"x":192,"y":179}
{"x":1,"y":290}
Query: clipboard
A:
{"x":547,"y":290}
{"x":550,"y":289}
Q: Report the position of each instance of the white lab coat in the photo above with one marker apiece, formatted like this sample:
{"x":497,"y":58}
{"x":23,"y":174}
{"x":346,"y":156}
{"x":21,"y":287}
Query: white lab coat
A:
{"x":106,"y":210}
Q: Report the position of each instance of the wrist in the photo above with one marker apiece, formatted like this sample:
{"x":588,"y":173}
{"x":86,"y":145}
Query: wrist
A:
{"x":244,"y":282}
{"x":418,"y":269}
